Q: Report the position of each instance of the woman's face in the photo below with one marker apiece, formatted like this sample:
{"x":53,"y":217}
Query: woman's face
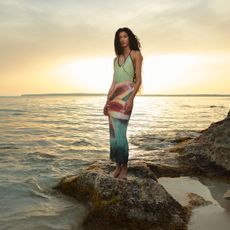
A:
{"x":124,"y":39}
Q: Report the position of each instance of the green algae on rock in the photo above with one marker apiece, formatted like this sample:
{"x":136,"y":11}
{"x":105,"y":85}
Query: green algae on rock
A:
{"x":139,"y":202}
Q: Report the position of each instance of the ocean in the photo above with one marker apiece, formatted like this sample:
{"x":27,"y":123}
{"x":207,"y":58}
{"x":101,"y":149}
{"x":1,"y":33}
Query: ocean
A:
{"x":44,"y":138}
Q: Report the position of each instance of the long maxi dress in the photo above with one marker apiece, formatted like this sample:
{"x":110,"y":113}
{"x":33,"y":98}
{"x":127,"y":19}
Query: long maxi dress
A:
{"x":118,"y":117}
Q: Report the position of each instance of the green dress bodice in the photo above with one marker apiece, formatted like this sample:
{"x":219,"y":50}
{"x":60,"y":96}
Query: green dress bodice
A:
{"x":125,"y":71}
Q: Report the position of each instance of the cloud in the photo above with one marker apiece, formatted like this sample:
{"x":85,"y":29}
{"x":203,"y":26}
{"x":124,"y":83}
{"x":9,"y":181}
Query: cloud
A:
{"x":35,"y":31}
{"x":36,"y":35}
{"x":187,"y":25}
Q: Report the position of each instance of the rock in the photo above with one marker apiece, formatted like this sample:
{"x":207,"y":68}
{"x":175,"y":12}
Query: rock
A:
{"x":139,"y":202}
{"x":194,"y":200}
{"x":227,"y":195}
{"x":172,"y":170}
{"x":211,"y":148}
{"x":182,"y":139}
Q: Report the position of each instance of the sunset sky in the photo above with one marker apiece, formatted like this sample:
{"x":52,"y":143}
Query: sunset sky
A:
{"x":56,"y":46}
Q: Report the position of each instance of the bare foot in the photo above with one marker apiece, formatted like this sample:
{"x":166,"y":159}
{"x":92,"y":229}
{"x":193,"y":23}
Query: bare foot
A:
{"x":123,"y":172}
{"x":117,"y":171}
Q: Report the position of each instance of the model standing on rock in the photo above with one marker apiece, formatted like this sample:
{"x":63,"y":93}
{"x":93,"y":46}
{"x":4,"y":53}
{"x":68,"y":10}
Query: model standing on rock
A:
{"x":118,"y":107}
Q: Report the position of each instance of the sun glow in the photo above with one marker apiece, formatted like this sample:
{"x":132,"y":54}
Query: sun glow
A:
{"x":92,"y":75}
{"x":161,"y":73}
{"x":186,"y":73}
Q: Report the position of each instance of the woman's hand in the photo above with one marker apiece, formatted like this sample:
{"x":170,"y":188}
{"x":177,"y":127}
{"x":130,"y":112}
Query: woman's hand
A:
{"x":105,"y":110}
{"x":128,"y":105}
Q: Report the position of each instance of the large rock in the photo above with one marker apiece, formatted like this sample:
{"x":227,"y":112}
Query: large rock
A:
{"x":227,"y":195}
{"x":213,"y":144}
{"x":139,"y":202}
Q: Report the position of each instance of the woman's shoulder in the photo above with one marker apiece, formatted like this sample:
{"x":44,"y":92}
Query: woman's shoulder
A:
{"x":137,"y":54}
{"x":114,"y":59}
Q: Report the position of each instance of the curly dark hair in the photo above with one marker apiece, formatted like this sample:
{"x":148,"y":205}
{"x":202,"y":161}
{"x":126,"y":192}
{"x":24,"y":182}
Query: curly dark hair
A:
{"x":134,"y":43}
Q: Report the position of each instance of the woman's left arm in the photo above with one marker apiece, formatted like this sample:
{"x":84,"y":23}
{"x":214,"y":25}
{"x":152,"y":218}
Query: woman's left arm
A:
{"x":138,"y":67}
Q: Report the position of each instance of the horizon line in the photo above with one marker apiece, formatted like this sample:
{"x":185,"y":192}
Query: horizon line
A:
{"x":104,"y":94}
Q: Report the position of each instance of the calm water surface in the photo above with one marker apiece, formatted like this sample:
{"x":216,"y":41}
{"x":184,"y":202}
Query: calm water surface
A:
{"x":43,"y":138}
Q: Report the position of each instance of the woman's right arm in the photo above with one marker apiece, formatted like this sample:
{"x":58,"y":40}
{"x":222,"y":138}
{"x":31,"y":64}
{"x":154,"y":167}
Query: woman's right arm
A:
{"x":111,"y":87}
{"x":110,"y":90}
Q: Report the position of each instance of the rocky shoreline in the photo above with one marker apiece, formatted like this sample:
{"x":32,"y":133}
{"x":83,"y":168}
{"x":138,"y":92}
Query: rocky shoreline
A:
{"x":141,"y":202}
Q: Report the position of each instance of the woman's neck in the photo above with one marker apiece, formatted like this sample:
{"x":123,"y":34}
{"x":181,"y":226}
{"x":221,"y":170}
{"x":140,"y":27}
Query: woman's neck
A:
{"x":126,"y":51}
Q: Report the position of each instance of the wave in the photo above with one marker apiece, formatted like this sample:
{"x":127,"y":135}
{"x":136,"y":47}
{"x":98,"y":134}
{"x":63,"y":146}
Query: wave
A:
{"x":217,"y":106}
{"x":8,"y":146}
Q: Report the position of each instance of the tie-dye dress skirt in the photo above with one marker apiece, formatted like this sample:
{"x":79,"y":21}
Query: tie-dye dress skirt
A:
{"x":118,"y":122}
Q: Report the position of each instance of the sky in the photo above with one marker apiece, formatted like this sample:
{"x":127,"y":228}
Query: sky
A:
{"x":55,"y":46}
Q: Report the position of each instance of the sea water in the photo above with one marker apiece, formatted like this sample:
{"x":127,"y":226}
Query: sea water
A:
{"x":44,"y":138}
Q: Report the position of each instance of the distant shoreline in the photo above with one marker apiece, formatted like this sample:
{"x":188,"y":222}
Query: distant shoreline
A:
{"x":102,"y":94}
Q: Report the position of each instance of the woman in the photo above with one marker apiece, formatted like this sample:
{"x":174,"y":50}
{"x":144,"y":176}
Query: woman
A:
{"x":118,"y":107}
